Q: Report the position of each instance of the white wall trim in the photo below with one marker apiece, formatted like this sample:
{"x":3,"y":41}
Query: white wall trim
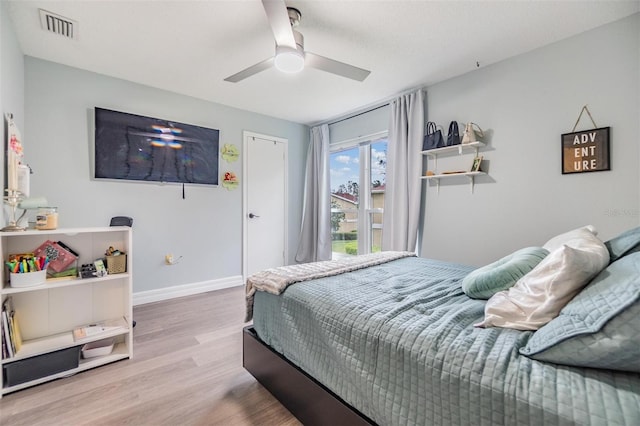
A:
{"x":157,"y":295}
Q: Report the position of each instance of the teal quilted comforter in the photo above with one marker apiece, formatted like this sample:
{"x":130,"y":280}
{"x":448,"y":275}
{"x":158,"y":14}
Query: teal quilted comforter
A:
{"x":397,"y":342}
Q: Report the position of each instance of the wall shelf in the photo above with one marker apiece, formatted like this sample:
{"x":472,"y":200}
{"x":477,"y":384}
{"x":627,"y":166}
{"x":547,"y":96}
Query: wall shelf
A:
{"x":469,"y":175}
{"x":454,"y":150}
{"x":459,"y":149}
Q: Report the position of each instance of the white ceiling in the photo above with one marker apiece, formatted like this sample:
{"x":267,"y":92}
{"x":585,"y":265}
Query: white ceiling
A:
{"x":189,"y":47}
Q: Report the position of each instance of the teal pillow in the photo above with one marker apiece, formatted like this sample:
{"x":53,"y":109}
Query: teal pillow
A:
{"x":625,"y":243}
{"x":484,"y":282}
{"x":600,"y":327}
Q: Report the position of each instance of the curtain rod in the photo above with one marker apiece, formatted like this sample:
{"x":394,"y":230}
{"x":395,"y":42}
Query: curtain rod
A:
{"x":358,"y":114}
{"x":384,"y":103}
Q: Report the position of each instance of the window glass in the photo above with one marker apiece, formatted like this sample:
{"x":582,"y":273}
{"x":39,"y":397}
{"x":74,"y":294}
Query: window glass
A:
{"x":358,"y":181}
{"x":345,"y":178}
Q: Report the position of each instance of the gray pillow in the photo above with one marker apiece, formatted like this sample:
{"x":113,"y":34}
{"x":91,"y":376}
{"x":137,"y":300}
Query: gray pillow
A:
{"x":625,"y":243}
{"x":502,"y":274}
{"x":600,"y":327}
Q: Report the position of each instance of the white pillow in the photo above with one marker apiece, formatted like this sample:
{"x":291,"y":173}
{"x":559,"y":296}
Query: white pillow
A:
{"x":538,"y":297}
{"x":557,"y":241}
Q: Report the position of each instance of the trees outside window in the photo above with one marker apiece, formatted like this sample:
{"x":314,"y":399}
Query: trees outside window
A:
{"x":358,"y":181}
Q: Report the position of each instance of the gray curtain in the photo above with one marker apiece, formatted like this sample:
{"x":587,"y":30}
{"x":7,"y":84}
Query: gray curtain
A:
{"x":404,"y":164}
{"x":315,"y":234}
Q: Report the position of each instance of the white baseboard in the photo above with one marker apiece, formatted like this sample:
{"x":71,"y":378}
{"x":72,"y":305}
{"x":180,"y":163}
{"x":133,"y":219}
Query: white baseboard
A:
{"x":142,"y":297}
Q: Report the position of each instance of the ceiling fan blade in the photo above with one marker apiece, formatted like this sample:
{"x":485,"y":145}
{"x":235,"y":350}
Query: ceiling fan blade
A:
{"x":335,"y":67}
{"x":248,"y":72}
{"x":279,"y":21}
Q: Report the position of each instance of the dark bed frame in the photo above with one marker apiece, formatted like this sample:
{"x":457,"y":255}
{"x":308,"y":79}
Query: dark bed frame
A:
{"x":301,"y":394}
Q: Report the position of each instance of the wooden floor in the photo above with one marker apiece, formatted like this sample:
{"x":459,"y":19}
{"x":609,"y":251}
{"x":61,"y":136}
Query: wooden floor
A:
{"x":186,"y":370}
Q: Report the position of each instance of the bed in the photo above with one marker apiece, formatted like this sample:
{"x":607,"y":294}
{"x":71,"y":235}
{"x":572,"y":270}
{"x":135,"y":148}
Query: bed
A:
{"x":394,"y":343}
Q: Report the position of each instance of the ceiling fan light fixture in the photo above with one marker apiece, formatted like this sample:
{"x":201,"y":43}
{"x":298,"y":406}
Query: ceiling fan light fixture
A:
{"x":289,"y":60}
{"x":290,"y":56}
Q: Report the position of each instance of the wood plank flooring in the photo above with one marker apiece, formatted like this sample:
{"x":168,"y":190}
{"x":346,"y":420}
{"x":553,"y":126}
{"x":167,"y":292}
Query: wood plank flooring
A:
{"x":186,"y":370}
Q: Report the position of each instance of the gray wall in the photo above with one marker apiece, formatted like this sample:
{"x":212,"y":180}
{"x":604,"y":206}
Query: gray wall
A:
{"x":205,"y":228}
{"x":525,"y":104}
{"x":11,"y":79}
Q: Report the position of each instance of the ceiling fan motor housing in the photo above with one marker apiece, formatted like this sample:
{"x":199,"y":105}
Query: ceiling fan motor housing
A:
{"x":294,"y":16}
{"x":299,"y":38}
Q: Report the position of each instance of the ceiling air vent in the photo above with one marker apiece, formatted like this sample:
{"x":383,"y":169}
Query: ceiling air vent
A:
{"x":58,"y":24}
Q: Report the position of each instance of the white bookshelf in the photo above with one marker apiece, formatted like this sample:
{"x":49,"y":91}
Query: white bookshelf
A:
{"x":48,"y":313}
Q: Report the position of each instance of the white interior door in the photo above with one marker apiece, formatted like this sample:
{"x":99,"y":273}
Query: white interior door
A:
{"x":265,"y":207}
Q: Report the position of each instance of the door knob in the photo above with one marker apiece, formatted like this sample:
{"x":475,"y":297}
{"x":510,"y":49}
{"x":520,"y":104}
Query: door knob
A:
{"x":251,"y":215}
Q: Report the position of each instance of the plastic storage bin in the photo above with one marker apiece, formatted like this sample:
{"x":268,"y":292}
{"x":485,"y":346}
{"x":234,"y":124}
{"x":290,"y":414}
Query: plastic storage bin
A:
{"x":98,"y":348}
{"x":28,"y":369}
{"x":28,"y":279}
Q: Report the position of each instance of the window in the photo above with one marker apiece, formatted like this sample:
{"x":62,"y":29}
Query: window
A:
{"x":358,"y":178}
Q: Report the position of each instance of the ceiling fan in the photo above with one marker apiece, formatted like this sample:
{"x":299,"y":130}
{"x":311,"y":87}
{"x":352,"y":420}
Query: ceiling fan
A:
{"x":290,"y":55}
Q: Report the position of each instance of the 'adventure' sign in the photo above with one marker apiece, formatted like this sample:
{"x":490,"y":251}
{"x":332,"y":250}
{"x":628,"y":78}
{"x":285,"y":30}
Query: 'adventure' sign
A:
{"x":586,"y":151}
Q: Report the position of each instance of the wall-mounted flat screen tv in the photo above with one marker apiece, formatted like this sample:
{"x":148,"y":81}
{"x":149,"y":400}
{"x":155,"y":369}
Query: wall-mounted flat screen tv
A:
{"x":134,"y":147}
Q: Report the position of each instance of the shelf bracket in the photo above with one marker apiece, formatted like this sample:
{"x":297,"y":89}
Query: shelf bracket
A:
{"x":471,"y":182}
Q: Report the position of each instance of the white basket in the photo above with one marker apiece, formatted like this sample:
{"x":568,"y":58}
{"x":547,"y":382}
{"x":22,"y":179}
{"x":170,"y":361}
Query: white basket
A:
{"x":98,"y":348}
{"x":28,"y":279}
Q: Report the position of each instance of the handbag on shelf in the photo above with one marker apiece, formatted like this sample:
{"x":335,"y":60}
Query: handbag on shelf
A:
{"x":453,"y":137}
{"x":433,"y":139}
{"x":469,"y":135}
